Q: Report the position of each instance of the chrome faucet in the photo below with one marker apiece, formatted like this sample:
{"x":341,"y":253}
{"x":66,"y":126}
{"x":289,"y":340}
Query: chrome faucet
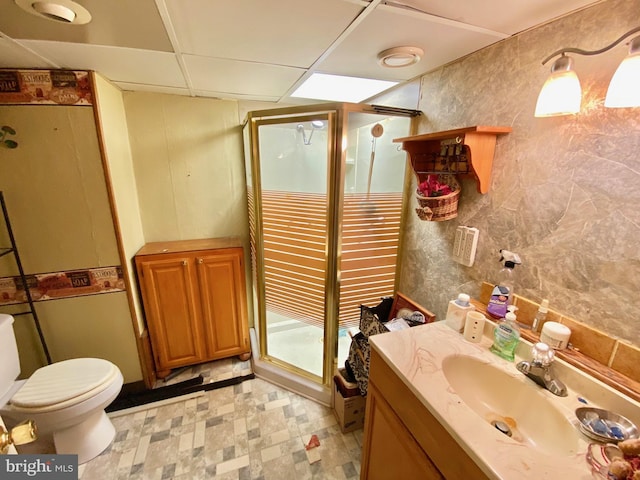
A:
{"x":539,"y":369}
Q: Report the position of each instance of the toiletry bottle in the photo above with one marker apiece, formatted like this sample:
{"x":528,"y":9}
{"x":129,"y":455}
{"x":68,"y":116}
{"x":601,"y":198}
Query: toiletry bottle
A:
{"x":506,"y":336}
{"x":457,"y":312}
{"x":502,"y":294}
{"x":540,"y":315}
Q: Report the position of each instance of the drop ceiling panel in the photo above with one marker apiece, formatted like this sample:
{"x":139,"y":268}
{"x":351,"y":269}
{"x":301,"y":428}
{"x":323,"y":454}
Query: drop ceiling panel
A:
{"x":506,"y":16}
{"x":281,"y":32}
{"x":14,"y":56}
{"x":248,"y":78}
{"x":121,"y":23}
{"x":240,"y":96}
{"x":442,"y":41}
{"x":153,"y":88}
{"x":260,"y":49}
{"x":115,"y":63}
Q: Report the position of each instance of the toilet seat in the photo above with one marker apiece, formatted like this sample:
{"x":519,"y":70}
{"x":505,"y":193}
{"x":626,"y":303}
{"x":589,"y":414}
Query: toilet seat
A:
{"x":64,"y":383}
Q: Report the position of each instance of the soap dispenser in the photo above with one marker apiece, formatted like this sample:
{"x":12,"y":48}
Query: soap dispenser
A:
{"x":457,"y":312}
{"x":502,"y":294}
{"x":506,"y":336}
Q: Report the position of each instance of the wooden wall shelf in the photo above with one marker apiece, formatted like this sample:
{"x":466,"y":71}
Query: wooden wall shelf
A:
{"x":463,"y":151}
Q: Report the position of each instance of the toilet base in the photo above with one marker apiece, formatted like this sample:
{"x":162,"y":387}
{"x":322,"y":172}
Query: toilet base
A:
{"x":87,"y":439}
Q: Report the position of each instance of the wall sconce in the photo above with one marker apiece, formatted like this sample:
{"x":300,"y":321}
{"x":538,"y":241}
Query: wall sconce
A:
{"x":561,"y":93}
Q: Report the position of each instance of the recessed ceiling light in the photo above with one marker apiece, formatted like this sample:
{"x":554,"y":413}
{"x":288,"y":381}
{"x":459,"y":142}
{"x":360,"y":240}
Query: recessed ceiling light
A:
{"x":63,"y":11}
{"x":337,"y":88}
{"x":398,"y":57}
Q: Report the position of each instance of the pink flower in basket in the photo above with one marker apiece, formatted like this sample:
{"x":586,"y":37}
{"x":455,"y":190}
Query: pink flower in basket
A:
{"x":432,"y":187}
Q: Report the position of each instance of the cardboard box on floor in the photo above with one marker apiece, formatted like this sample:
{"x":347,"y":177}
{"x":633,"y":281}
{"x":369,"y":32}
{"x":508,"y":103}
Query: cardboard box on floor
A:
{"x":349,"y":411}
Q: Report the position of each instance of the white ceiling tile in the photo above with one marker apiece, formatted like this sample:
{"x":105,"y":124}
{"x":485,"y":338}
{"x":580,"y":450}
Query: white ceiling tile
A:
{"x":14,"y":56}
{"x":282,"y":32}
{"x":116,"y":63}
{"x":261,"y":49}
{"x":248,"y":78}
{"x":357,"y":54}
{"x":236,"y":96}
{"x":507,"y":16}
{"x":119,"y":23}
{"x":138,"y":87}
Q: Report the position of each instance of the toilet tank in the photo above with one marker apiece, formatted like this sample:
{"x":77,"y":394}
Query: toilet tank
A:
{"x":9,"y":360}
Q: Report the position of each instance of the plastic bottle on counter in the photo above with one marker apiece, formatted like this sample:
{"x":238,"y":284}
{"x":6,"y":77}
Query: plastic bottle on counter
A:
{"x":457,"y":312}
{"x":506,"y":336}
{"x":540,"y":316}
{"x":502,"y":294}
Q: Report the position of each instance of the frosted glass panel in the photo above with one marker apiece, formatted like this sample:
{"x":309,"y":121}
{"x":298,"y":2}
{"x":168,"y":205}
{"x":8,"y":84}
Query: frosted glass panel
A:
{"x":293,"y":172}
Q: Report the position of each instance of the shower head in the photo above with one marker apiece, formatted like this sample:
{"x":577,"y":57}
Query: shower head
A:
{"x":315,"y":124}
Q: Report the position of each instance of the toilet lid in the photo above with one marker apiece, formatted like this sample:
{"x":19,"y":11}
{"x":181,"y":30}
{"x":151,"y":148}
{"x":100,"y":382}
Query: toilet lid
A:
{"x":62,"y":381}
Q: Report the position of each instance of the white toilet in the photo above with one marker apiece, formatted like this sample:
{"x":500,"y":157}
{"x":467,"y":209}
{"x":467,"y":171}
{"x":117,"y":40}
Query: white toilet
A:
{"x":66,"y":398}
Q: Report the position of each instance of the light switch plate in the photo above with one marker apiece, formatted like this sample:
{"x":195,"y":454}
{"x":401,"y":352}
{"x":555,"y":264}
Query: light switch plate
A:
{"x":465,"y":245}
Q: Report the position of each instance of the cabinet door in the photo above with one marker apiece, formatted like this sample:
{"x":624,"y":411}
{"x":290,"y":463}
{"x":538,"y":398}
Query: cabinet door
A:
{"x":390,"y":451}
{"x":223,"y":293}
{"x":171,"y":301}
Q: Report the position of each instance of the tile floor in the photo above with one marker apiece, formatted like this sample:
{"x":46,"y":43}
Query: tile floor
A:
{"x":253,"y":430}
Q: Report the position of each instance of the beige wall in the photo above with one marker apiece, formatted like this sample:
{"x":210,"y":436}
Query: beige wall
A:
{"x":55,"y":189}
{"x":92,"y":326}
{"x":565,"y":191}
{"x":56,"y":195}
{"x":189,"y":167}
{"x":117,"y":152}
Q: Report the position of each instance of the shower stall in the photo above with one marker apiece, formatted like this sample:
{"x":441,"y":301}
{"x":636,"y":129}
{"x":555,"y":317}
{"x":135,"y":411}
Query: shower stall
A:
{"x":325,"y":187}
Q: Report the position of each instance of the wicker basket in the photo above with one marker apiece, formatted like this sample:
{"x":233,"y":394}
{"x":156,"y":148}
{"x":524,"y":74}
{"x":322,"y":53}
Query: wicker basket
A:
{"x":438,"y":209}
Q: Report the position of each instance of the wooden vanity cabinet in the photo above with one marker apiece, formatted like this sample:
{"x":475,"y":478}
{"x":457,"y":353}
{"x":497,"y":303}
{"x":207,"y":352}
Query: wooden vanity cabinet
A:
{"x":402,"y":439}
{"x":194,"y":298}
{"x":391,"y":451}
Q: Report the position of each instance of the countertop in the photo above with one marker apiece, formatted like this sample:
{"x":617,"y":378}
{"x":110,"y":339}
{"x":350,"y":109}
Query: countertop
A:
{"x":416,"y":356}
{"x":176,"y":246}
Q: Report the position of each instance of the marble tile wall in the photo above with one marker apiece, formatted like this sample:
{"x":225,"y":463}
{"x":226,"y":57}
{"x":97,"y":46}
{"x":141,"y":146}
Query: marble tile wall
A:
{"x":608,"y":352}
{"x":565,"y":191}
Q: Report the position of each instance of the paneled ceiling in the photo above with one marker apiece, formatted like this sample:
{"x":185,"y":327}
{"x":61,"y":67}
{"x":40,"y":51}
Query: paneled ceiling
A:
{"x":260,"y":49}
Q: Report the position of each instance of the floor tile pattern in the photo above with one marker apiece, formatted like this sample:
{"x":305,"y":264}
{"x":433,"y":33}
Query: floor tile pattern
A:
{"x":252,"y":430}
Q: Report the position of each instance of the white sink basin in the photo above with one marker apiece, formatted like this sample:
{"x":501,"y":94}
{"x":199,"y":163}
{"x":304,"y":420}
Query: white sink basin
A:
{"x":511,"y":403}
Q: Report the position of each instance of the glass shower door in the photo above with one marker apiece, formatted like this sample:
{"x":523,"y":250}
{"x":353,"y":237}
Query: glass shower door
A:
{"x":294,"y":159}
{"x":371,"y":217}
{"x":325,"y":196}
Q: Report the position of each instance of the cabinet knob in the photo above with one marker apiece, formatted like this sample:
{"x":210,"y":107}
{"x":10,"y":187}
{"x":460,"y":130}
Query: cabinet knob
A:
{"x":200,"y":260}
{"x":184,"y":263}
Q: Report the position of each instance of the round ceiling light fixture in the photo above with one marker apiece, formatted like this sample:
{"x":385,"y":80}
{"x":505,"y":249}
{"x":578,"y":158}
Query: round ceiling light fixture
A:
{"x":398,"y":57}
{"x":62,"y":11}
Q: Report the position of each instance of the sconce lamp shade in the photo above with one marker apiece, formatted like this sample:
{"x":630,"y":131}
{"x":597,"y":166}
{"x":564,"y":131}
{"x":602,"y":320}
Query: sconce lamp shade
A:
{"x":561,"y":94}
{"x":624,"y":89}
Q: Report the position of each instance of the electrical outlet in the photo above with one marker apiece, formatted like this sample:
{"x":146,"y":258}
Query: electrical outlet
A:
{"x":457,"y":244}
{"x":465,"y":245}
